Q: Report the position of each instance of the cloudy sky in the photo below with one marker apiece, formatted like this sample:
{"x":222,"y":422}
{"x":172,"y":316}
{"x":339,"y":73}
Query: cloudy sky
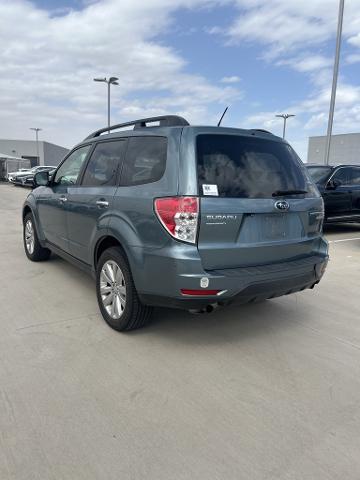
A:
{"x":191,"y":57}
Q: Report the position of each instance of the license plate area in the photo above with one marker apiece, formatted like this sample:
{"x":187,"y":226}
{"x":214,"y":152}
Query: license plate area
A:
{"x":275,"y":226}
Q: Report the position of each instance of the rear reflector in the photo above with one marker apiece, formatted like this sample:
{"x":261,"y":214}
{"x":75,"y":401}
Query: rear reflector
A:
{"x":203,"y":292}
{"x":179,"y":216}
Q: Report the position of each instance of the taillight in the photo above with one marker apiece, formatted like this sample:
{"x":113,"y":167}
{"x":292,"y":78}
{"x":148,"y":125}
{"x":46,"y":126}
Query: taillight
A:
{"x":179,"y":216}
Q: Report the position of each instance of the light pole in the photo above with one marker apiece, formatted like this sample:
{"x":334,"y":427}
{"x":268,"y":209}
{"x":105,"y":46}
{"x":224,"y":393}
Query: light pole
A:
{"x":37,"y":130}
{"x":334,"y":83}
{"x":110,"y":81}
{"x":285,"y":116}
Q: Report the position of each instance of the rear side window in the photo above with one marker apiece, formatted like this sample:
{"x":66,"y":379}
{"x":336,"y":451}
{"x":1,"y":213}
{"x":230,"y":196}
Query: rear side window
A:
{"x":103,"y":164}
{"x":234,"y":166}
{"x":145,"y":160}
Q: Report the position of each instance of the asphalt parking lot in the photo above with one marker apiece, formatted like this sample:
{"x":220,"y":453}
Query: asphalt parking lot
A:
{"x":261,"y":391}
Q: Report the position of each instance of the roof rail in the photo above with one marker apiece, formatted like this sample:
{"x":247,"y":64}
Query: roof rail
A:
{"x":262,"y":130}
{"x":164,"y":121}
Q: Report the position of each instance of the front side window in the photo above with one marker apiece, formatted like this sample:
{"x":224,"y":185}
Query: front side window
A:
{"x":343,"y":175}
{"x":355,"y":176}
{"x":69,"y":171}
{"x":243,"y":167}
{"x":103,"y":164}
{"x":145,"y":160}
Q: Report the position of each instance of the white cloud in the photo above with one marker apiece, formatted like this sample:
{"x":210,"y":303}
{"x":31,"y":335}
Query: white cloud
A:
{"x":266,"y":120}
{"x":347,"y":113}
{"x":232,"y":79}
{"x":308,"y":63}
{"x":316,"y":121}
{"x":294,"y":33}
{"x":352,"y":58}
{"x":286,"y":26}
{"x":312,"y":116}
{"x":355,"y":39}
{"x":47,"y":64}
{"x":347,"y":97}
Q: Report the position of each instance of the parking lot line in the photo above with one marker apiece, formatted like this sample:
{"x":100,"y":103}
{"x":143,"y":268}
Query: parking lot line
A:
{"x":344,"y":240}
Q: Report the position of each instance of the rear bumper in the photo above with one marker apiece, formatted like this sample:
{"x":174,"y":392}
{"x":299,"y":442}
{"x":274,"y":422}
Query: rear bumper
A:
{"x":241,"y":285}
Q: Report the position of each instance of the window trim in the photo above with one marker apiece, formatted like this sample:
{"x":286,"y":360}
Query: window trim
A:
{"x":118,"y":169}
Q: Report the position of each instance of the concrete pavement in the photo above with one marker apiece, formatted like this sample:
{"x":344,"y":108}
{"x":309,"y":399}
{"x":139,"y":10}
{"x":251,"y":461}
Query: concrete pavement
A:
{"x":255,"y":392}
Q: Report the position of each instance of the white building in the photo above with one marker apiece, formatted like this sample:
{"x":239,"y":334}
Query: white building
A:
{"x":49,"y":153}
{"x":344,"y":149}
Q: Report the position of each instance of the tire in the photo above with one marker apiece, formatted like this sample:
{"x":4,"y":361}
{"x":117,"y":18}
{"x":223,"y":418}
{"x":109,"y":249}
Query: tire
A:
{"x":33,"y":249}
{"x":116,"y":293}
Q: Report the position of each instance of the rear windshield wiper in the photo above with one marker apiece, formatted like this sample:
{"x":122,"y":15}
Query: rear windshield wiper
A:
{"x":280,"y":193}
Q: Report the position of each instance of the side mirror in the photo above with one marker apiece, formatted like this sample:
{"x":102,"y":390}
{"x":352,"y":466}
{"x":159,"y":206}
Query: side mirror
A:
{"x":333,"y":184}
{"x":41,"y":179}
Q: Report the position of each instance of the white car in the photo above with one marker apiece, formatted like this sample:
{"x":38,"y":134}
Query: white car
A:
{"x":19,"y":176}
{"x":12,"y":175}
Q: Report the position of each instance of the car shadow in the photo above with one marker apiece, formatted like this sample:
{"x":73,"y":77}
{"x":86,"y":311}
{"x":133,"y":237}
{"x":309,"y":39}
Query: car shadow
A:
{"x":226,"y":324}
{"x":233,"y":323}
{"x":69,"y":269}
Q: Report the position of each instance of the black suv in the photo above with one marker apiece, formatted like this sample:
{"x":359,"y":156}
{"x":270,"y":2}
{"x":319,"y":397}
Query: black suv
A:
{"x":340,"y":188}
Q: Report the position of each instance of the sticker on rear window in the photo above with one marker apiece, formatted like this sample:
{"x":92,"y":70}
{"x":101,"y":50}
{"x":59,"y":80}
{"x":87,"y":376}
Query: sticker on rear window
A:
{"x":210,"y":190}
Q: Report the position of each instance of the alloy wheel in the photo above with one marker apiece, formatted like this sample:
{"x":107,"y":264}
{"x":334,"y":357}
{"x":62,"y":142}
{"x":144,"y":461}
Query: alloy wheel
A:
{"x":113,"y":289}
{"x":29,"y":237}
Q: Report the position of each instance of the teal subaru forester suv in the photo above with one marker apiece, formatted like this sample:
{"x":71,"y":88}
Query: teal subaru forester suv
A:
{"x":168,"y":214}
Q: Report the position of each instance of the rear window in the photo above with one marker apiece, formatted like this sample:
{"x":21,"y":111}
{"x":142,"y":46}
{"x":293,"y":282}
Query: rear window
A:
{"x":145,"y":160}
{"x":243,"y":167}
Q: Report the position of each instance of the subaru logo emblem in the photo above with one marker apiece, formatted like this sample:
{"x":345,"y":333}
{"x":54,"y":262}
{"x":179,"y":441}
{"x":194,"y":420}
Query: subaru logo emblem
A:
{"x":282,"y":205}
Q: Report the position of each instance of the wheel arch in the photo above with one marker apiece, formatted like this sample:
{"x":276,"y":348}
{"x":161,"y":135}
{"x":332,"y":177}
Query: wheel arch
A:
{"x":30,"y":206}
{"x":26,"y":209}
{"x":103,"y":244}
{"x":133,"y":256}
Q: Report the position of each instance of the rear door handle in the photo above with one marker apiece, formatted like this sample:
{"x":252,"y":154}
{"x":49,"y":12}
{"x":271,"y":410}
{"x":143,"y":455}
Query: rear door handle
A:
{"x":62,"y":199}
{"x":102,"y":203}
